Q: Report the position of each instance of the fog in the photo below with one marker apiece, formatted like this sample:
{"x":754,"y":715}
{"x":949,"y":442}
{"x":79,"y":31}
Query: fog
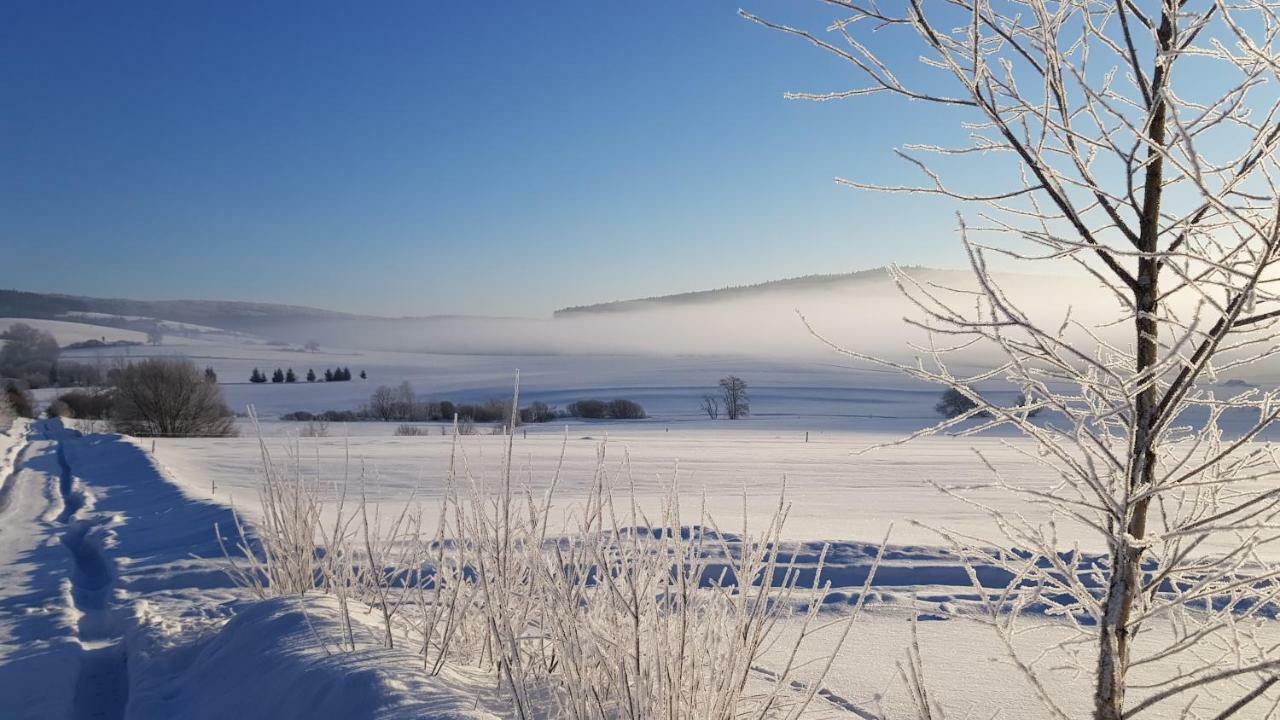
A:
{"x":865,"y":313}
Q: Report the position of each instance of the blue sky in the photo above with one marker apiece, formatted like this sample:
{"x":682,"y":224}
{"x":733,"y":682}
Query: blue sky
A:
{"x":431,"y":157}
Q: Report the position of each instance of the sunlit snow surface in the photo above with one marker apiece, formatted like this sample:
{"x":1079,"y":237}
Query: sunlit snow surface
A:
{"x":814,"y":429}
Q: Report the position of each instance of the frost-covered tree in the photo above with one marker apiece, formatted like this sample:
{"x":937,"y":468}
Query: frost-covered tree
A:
{"x":382,"y":403}
{"x":28,"y":354}
{"x":1134,"y":143}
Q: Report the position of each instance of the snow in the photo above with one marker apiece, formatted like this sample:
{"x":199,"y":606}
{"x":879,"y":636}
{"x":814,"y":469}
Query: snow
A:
{"x":39,"y":657}
{"x":266,"y":662}
{"x":112,"y":592}
{"x":836,"y":493}
{"x":66,"y":332}
{"x":170,"y":325}
{"x":114,"y":604}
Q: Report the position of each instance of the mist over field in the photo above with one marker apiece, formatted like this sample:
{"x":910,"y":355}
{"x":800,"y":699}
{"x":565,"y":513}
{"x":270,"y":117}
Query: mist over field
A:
{"x":864,"y":313}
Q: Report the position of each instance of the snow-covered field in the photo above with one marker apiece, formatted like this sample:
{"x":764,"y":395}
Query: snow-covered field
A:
{"x":836,"y":493}
{"x":130,"y":622}
{"x":67,"y":332}
{"x":114,"y":603}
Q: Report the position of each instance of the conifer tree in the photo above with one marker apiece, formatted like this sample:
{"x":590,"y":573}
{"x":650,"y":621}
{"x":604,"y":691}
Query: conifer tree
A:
{"x":277,"y":376}
{"x":290,"y":377}
{"x":311,"y":375}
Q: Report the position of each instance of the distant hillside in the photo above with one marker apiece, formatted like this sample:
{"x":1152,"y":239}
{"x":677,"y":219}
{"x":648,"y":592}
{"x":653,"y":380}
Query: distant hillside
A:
{"x":230,"y":315}
{"x":807,"y":283}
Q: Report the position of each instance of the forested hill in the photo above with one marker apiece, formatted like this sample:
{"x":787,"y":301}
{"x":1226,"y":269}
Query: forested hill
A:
{"x":231,"y":315}
{"x":806,"y":283}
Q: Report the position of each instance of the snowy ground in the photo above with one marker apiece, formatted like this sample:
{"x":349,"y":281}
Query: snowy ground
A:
{"x":67,"y":331}
{"x":104,"y":611}
{"x":113,"y":603}
{"x":836,"y":493}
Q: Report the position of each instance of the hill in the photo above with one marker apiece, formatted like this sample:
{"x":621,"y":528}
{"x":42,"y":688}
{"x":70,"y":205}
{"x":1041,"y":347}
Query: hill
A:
{"x":804,"y":284}
{"x":250,"y":317}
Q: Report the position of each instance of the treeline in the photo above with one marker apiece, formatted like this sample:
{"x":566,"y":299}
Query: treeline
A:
{"x":401,"y":404}
{"x":30,"y":358}
{"x":167,"y":396}
{"x":341,"y":374}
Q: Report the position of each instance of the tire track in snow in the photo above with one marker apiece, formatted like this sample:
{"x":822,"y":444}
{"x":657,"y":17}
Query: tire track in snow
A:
{"x":102,"y":688}
{"x":9,"y":467}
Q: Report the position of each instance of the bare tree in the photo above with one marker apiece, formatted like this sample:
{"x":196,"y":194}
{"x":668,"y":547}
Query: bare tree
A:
{"x":733,"y":392}
{"x":1137,"y":143}
{"x":402,"y":405}
{"x":711,"y":406}
{"x":382,"y":403}
{"x":155,"y":335}
{"x":169,"y":396}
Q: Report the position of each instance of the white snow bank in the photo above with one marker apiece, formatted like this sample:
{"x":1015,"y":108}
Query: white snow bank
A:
{"x":280,"y":659}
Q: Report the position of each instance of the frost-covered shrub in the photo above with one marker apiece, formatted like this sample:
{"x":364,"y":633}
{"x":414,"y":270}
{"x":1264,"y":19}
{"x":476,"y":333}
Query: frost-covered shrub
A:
{"x":622,"y":409}
{"x":626,"y":616}
{"x":590,"y":409}
{"x":316,"y":428}
{"x":617,"y":409}
{"x":19,"y":400}
{"x":538,"y":412}
{"x":488,"y":412}
{"x":411,"y":431}
{"x":328,"y":416}
{"x":87,"y":404}
{"x":59,"y":409}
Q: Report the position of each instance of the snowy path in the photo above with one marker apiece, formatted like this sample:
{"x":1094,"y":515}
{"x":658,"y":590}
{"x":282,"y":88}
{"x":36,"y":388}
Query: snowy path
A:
{"x":39,"y":651}
{"x":114,"y":605}
{"x":63,"y":614}
{"x":102,"y":686}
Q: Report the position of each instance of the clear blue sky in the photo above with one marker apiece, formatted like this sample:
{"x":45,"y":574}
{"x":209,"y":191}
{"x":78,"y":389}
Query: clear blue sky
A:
{"x":432,"y":157}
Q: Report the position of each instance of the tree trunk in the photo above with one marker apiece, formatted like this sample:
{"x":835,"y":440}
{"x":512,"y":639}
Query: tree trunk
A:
{"x":1127,"y":548}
